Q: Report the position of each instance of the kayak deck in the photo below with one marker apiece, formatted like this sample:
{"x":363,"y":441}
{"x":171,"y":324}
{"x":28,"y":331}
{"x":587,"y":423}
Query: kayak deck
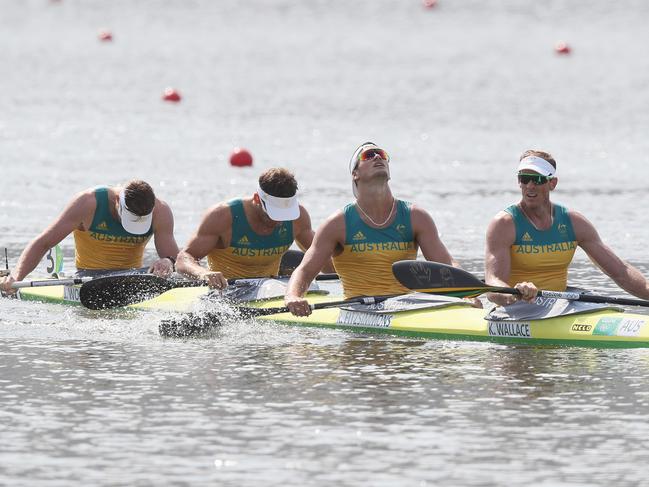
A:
{"x":599,"y":328}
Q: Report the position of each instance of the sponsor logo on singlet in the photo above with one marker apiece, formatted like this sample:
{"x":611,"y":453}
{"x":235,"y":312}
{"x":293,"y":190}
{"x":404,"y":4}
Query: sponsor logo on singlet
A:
{"x":244,"y":240}
{"x":103,"y":226}
{"x":359,"y":236}
{"x":526,"y":237}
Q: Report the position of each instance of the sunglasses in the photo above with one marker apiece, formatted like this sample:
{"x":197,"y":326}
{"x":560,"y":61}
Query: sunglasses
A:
{"x":537,"y":179}
{"x":370,"y":154}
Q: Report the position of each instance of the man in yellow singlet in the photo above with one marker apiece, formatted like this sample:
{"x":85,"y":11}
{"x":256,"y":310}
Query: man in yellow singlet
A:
{"x":246,"y":237}
{"x":111,"y":227}
{"x":367,"y":236}
{"x":531,"y":244}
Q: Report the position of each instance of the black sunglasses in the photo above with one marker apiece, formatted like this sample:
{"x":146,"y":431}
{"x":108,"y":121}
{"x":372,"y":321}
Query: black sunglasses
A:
{"x":537,"y":179}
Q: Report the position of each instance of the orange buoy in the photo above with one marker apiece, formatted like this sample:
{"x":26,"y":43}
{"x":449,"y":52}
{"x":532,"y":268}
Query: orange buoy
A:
{"x":429,"y":3}
{"x":171,"y":95}
{"x":562,"y":48}
{"x":240,"y":157}
{"x":105,"y":35}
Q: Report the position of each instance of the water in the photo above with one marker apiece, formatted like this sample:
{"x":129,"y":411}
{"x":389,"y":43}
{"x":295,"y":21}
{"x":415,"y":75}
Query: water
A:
{"x":454,"y":94}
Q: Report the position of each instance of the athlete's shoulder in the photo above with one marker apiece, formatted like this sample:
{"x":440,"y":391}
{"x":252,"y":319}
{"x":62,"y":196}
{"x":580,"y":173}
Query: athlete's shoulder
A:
{"x":505,"y":215}
{"x":338,"y":215}
{"x":85,"y":199}
{"x":219,"y":209}
{"x":162,"y":209}
{"x":304,"y":213}
{"x":501,"y":226}
{"x":415,"y":209}
{"x":580,"y":223}
{"x":333,"y":222}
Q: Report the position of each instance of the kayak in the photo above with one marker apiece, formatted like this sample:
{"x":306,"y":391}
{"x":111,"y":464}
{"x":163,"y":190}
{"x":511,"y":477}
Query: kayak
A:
{"x":427,"y":317}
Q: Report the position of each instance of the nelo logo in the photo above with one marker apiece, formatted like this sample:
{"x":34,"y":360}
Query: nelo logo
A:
{"x":578,"y":327}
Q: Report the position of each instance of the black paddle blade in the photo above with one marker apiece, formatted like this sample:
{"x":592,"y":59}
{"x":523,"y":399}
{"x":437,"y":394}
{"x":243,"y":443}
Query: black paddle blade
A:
{"x":290,"y":260}
{"x":189,"y":325}
{"x":202,"y":323}
{"x":115,"y":291}
{"x":433,"y":277}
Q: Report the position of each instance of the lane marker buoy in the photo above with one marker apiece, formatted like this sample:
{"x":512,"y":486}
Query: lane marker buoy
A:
{"x":240,"y":157}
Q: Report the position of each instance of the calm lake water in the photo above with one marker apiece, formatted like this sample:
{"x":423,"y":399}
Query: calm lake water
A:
{"x":454,"y":94}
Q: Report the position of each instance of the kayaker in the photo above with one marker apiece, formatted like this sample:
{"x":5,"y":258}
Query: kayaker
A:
{"x":246,"y":237}
{"x":111,"y":227}
{"x":530,"y":244}
{"x":367,"y":236}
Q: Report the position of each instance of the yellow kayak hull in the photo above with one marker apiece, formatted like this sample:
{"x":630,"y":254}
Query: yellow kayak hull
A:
{"x":601,"y":328}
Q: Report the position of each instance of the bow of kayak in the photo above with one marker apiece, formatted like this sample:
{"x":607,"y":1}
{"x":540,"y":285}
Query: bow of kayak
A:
{"x":605,"y":328}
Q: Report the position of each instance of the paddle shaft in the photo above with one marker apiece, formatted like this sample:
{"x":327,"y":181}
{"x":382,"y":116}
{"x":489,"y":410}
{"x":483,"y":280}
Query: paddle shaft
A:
{"x":587,"y":298}
{"x":200,"y":323}
{"x":319,"y":277}
{"x":435,"y":277}
{"x":332,"y":304}
{"x":50,"y":282}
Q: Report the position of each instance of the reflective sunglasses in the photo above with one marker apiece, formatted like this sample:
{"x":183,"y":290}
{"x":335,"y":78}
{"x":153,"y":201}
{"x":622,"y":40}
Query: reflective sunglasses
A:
{"x":370,"y":154}
{"x":537,"y":179}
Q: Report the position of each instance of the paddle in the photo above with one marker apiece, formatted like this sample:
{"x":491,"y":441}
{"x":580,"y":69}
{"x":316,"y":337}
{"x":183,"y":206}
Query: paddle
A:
{"x":122,"y":290}
{"x":193,"y":324}
{"x":436,"y":278}
{"x":290,"y":260}
{"x":50,"y":282}
{"x":116,"y":291}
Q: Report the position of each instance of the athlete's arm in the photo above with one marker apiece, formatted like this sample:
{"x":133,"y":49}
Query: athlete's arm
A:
{"x":165,"y":242}
{"x":73,"y":216}
{"x":304,"y":235}
{"x":427,"y":237}
{"x":210,"y":235}
{"x":501,"y":234}
{"x":624,"y":274}
{"x":328,"y":241}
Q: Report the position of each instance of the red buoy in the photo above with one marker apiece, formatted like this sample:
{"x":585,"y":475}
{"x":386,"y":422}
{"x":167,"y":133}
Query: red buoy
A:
{"x":429,"y":3}
{"x":562,"y":48}
{"x":105,"y":35}
{"x":240,"y":157}
{"x":171,"y":95}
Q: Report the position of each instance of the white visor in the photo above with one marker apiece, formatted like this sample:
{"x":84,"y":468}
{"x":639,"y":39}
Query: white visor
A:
{"x":353,"y":162}
{"x":279,"y":209}
{"x":537,"y":164}
{"x":132,"y":223}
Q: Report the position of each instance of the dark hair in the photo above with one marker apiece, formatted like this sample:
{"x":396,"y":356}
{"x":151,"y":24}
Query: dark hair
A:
{"x":279,"y":182}
{"x":139,"y":197}
{"x":541,"y":154}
